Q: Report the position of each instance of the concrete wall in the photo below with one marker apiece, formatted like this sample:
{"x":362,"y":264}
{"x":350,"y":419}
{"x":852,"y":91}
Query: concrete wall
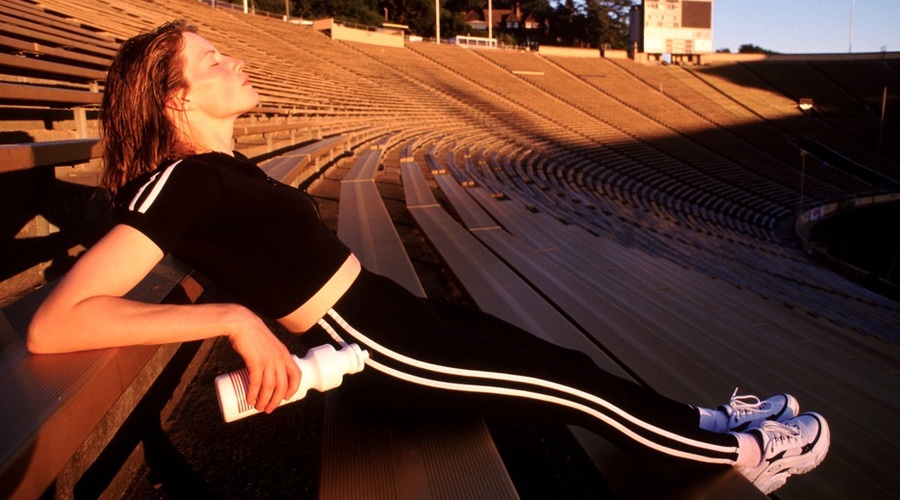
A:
{"x":549,"y":50}
{"x":812,"y":216}
{"x":374,"y":36}
{"x":868,"y":56}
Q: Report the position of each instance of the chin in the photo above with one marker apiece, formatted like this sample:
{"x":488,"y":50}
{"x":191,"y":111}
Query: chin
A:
{"x":251,"y":103}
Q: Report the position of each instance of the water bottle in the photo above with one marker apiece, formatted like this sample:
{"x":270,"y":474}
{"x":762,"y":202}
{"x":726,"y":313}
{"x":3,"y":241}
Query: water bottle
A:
{"x":322,"y":368}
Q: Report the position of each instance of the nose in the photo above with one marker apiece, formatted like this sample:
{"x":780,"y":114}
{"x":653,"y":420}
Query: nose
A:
{"x":238,"y":64}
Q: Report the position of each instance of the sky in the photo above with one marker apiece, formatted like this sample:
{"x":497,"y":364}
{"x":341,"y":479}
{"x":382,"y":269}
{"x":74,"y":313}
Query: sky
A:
{"x":807,"y":26}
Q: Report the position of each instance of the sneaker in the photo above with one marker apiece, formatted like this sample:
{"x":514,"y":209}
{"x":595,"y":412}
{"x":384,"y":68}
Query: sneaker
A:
{"x":748,"y":412}
{"x":795,"y":446}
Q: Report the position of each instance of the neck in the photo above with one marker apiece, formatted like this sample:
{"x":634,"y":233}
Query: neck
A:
{"x":209,"y":138}
{"x":204,"y":135}
{"x":200,"y":148}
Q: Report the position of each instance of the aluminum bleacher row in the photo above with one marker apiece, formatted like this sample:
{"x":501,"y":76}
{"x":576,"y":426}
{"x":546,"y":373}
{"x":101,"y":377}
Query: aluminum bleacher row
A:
{"x":639,"y":217}
{"x":451,"y":459}
{"x":658,"y":319}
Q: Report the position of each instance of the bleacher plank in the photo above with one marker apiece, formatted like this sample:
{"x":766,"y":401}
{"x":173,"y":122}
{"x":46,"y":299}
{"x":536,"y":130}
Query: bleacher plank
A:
{"x":730,"y":332}
{"x":415,"y":189}
{"x":26,"y":156}
{"x":619,"y":333}
{"x":51,"y":38}
{"x":64,"y":396}
{"x":361,"y":457}
{"x":494,"y":286}
{"x":465,"y":258}
{"x":472,"y":216}
{"x":53,"y":53}
{"x":451,"y":460}
{"x":51,"y":96}
{"x":365,"y":167}
{"x":365,"y":226}
{"x":297,"y":164}
{"x":20,"y":64}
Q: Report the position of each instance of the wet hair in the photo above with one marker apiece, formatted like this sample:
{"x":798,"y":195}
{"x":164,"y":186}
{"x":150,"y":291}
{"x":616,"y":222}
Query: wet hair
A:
{"x":144,"y":75}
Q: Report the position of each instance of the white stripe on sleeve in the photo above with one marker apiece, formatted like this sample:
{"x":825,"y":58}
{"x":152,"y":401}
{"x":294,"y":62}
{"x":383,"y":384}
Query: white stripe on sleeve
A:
{"x":158,"y":181}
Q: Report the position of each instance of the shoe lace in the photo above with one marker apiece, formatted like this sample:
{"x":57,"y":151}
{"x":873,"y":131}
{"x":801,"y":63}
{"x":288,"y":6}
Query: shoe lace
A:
{"x":780,"y":435}
{"x":744,"y":404}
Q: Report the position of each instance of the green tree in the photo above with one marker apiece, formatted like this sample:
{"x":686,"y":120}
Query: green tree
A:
{"x":417,"y":14}
{"x":567,"y":22}
{"x":453,"y":17}
{"x":589,"y":23}
{"x":274,"y":6}
{"x":357,"y":11}
{"x":749,"y":48}
{"x":606,"y":22}
{"x":562,"y":23}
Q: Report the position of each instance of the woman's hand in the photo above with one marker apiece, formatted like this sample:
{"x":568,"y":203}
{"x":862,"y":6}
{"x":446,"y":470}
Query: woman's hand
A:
{"x":274,"y":376}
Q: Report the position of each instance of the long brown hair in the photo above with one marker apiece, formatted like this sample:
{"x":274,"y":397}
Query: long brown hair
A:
{"x":137,"y":134}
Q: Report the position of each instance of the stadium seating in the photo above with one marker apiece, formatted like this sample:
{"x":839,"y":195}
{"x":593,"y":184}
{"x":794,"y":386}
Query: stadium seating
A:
{"x":351,"y":443}
{"x":676,"y":186}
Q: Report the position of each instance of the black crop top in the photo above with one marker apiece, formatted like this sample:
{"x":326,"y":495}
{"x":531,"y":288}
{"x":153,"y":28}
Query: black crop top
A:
{"x":262,"y":240}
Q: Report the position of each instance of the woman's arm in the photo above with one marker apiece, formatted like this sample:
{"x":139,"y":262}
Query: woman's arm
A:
{"x":86,"y":311}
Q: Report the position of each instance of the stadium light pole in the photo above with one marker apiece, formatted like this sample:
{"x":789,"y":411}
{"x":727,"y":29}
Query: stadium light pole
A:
{"x":797,"y":221}
{"x":490,"y":22}
{"x":437,"y":22}
{"x":802,"y":180}
{"x":881,"y":124}
{"x":852,"y":11}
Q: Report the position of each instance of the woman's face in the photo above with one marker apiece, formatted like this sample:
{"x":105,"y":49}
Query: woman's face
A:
{"x":217,"y":84}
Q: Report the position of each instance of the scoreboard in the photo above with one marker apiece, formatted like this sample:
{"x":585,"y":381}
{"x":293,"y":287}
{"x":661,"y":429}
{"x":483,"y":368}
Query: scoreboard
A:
{"x":672,"y":26}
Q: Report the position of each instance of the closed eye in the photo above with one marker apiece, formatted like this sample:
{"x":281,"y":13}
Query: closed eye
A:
{"x":213,"y":57}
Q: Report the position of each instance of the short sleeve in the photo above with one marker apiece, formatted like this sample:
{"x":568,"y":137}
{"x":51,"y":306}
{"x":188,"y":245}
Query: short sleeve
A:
{"x":172,"y":203}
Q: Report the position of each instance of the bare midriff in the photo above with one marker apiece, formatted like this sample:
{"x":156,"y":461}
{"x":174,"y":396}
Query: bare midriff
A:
{"x":315,"y":308}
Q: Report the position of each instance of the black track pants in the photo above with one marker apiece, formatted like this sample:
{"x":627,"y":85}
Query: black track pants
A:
{"x":435,"y":358}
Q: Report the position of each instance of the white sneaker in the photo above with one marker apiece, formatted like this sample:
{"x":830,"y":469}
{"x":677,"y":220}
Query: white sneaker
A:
{"x":748,"y":412}
{"x":795,"y":446}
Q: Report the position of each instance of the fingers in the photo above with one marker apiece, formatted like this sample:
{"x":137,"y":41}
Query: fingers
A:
{"x":273,"y":384}
{"x":255,"y":381}
{"x":274,"y":377}
{"x":267,"y":388}
{"x":277,"y":386}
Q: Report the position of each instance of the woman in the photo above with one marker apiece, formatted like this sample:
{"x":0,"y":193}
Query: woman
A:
{"x":168,"y":115}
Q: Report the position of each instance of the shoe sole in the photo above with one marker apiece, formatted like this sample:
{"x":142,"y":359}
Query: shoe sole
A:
{"x":800,"y":464}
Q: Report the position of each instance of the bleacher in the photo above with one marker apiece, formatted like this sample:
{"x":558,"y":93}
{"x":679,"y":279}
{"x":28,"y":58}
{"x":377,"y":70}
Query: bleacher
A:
{"x":436,"y":451}
{"x":635,"y":212}
{"x":88,"y":397}
{"x":639,"y":307}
